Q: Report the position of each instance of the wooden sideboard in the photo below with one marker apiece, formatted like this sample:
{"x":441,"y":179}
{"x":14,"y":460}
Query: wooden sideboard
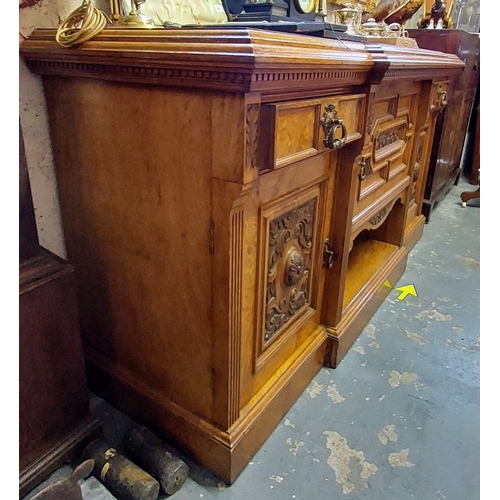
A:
{"x":234,"y":202}
{"x":451,"y":128}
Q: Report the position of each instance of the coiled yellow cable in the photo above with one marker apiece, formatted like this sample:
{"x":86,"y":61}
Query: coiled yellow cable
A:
{"x":82,"y":24}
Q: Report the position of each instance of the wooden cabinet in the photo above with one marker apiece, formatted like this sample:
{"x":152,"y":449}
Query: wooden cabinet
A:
{"x":452,"y":123}
{"x":233,"y":201}
{"x":54,"y":417}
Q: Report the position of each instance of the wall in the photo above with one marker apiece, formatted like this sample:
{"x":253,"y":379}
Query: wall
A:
{"x":33,"y":116}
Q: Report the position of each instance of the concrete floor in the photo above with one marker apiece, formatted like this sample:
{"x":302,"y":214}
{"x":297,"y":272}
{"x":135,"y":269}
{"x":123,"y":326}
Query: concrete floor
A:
{"x":399,"y":418}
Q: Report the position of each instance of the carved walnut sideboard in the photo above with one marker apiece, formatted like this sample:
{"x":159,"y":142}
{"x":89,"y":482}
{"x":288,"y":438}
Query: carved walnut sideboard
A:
{"x":234,"y":203}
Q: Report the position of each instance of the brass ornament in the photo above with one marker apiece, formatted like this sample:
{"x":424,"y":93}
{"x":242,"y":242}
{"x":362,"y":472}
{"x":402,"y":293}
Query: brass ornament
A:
{"x":365,"y":5}
{"x":349,"y":16}
{"x":135,"y":19}
{"x":441,"y":96}
{"x":362,"y":170}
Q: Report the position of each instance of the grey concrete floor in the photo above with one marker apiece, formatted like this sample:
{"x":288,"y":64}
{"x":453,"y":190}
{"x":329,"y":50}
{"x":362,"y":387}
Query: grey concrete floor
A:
{"x":399,"y":418}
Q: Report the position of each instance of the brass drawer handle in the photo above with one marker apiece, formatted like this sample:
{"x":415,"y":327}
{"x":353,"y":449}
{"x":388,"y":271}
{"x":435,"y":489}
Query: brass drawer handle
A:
{"x":331,"y":123}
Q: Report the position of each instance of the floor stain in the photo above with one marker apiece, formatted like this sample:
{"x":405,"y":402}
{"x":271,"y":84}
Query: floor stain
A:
{"x":278,"y":479}
{"x":374,"y":345}
{"x":433,"y":314}
{"x":451,"y":343}
{"x":400,"y":459}
{"x":420,"y":386}
{"x":333,"y":394}
{"x":444,"y":299}
{"x":457,"y":329}
{"x":351,"y":468}
{"x":370,"y":331}
{"x":416,"y":337}
{"x":397,"y":378}
{"x":468,"y":262}
{"x":388,"y":433}
{"x":298,"y":444}
{"x":359,"y":349}
{"x":315,"y":389}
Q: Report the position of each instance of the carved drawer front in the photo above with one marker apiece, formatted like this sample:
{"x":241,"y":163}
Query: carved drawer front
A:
{"x":439,"y":96}
{"x":290,"y":264}
{"x":384,"y":166}
{"x":295,"y":130}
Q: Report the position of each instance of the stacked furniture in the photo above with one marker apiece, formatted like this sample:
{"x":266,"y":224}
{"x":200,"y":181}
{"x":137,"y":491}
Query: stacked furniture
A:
{"x":237,"y":204}
{"x":54,"y":418}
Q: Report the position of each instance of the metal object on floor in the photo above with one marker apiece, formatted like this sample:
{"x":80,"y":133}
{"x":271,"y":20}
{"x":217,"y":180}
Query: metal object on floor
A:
{"x":67,"y":489}
{"x":122,"y":477}
{"x":151,"y":454}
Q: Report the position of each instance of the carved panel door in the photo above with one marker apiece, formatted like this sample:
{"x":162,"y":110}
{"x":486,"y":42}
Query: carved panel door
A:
{"x":291,"y":227}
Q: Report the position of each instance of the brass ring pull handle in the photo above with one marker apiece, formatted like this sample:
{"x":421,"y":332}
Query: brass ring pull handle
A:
{"x":331,"y":123}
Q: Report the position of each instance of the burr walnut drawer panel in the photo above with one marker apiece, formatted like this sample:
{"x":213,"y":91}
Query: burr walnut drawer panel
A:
{"x":386,"y":158}
{"x":295,"y":130}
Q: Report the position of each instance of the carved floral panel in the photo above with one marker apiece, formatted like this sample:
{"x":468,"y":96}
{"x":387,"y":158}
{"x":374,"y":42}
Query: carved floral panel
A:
{"x":291,"y":237}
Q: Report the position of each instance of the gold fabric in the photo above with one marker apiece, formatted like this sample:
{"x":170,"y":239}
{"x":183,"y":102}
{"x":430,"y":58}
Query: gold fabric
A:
{"x":182,"y":11}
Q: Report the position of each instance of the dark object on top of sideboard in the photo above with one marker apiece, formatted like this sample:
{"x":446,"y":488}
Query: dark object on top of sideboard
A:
{"x":438,"y":15}
{"x":233,"y":7}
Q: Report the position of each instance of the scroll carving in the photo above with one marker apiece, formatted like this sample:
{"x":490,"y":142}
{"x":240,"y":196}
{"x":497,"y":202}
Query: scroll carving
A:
{"x":370,"y":113}
{"x":417,"y":165}
{"x":387,"y":139}
{"x":380,"y":215}
{"x":251,"y":134}
{"x":289,"y":263}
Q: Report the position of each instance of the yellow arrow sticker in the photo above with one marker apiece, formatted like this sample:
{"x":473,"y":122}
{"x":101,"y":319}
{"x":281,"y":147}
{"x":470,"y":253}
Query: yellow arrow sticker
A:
{"x":406,"y":290}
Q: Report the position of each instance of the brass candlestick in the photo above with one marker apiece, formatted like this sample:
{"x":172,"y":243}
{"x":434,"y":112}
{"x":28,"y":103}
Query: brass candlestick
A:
{"x":135,"y":19}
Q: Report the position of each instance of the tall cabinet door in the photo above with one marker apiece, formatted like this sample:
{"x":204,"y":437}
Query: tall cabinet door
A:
{"x":293,"y":206}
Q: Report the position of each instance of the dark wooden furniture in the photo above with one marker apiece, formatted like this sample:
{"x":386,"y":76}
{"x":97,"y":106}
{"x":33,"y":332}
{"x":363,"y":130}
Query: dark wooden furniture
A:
{"x":54,"y":417}
{"x":470,"y":161}
{"x":234,"y":202}
{"x":466,"y":196}
{"x":451,"y":128}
